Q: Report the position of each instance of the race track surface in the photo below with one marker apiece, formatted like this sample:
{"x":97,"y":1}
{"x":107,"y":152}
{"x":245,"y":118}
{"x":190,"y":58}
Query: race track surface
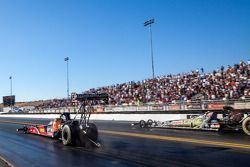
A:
{"x":123,"y":145}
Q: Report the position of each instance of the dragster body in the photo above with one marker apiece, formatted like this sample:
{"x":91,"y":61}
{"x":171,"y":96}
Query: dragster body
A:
{"x":72,"y":131}
{"x":230,"y":119}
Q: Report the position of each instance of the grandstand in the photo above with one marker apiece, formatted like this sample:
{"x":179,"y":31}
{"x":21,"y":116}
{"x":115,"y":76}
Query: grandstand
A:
{"x":223,"y":84}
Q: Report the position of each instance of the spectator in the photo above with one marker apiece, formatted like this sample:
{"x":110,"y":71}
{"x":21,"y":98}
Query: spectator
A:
{"x":221,"y":84}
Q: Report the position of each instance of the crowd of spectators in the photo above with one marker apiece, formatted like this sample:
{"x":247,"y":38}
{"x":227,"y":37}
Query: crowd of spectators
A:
{"x":55,"y":103}
{"x":232,"y":82}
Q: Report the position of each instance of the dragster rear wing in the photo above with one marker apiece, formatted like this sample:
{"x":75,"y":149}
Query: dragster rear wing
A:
{"x":89,"y":97}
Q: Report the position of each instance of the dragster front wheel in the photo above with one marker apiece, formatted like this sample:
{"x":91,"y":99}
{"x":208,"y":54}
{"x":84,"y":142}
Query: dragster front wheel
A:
{"x":24,"y":130}
{"x":246,"y":126}
{"x":150,"y":122}
{"x":142,"y":124}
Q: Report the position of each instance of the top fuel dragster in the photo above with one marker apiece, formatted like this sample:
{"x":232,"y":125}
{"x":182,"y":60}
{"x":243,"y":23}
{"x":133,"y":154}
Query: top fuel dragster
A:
{"x":72,"y":131}
{"x":230,"y":119}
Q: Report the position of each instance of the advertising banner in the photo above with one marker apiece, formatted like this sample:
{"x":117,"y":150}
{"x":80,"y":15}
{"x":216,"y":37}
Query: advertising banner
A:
{"x":194,"y":106}
{"x":108,"y":109}
{"x":215,"y":106}
{"x":174,"y":107}
{"x":142,"y":108}
{"x":242,"y":105}
{"x":166,"y":108}
{"x":130,"y":108}
{"x":118,"y":109}
{"x":247,"y":105}
{"x":157,"y":108}
{"x":99,"y":109}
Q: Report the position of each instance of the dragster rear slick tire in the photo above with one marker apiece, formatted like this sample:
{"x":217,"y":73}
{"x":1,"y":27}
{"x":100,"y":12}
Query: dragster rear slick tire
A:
{"x":246,"y":126}
{"x":92,"y":132}
{"x":66,"y":135}
{"x":89,"y":136}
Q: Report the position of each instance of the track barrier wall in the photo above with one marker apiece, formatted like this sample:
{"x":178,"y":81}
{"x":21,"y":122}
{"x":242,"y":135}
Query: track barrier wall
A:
{"x":187,"y":106}
{"x":108,"y":117}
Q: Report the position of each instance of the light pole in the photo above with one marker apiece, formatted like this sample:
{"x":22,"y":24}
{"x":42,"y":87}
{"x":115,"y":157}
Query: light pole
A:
{"x":149,"y":23}
{"x":10,"y":85}
{"x":67,"y":60}
{"x":10,"y":92}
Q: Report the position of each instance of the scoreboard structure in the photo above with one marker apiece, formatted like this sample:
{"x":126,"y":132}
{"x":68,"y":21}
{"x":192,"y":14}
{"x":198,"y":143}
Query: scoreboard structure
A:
{"x":8,"y":101}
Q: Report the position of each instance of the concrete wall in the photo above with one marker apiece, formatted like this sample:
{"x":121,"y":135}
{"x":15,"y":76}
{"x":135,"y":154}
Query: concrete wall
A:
{"x":116,"y":117}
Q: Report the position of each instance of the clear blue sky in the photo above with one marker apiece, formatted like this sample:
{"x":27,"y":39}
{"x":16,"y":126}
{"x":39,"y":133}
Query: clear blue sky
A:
{"x":107,"y":43}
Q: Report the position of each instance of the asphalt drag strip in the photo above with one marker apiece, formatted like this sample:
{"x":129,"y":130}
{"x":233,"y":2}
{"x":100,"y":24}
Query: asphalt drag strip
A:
{"x":123,"y":145}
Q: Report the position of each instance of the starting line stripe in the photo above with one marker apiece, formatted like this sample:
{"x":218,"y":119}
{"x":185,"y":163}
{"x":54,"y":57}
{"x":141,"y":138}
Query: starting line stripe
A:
{"x":177,"y":139}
